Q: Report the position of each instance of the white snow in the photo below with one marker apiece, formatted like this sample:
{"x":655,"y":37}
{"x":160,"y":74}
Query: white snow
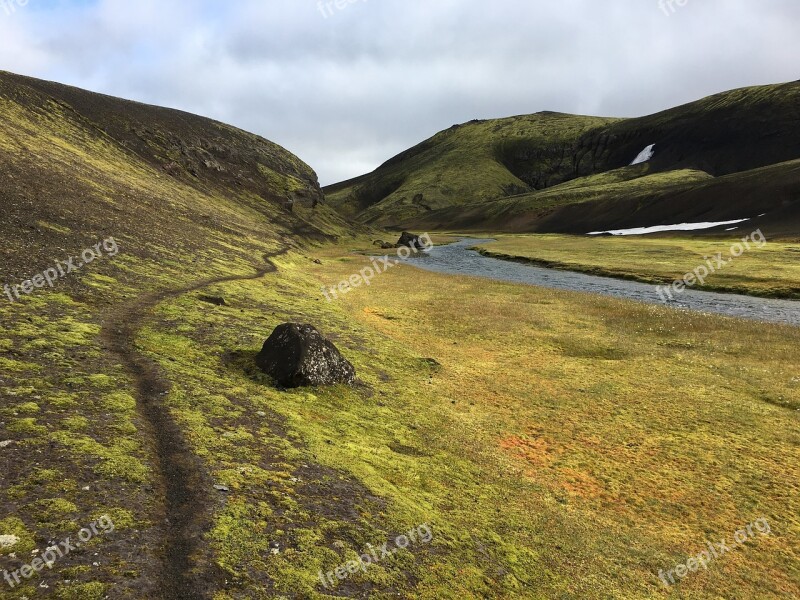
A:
{"x":645,"y":155}
{"x":659,"y":228}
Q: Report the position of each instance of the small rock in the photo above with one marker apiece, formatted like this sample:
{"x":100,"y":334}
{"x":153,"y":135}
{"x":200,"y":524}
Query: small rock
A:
{"x":6,"y":444}
{"x":215,"y":300}
{"x":222,"y":488}
{"x":8,"y":541}
{"x":317,"y":261}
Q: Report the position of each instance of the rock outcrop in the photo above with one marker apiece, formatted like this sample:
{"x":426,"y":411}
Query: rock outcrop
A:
{"x":298,"y":355}
{"x":415,"y":242}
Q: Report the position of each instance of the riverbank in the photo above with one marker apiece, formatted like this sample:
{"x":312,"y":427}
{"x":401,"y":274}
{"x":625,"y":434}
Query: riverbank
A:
{"x":770,"y":270}
{"x":459,"y":259}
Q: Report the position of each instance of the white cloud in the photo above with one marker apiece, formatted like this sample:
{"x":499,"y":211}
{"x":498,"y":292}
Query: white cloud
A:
{"x":348,"y":91}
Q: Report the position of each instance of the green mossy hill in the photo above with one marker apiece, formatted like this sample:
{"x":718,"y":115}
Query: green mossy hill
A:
{"x":185,"y":199}
{"x":469,"y":168}
{"x":769,"y":197}
{"x":479,"y":160}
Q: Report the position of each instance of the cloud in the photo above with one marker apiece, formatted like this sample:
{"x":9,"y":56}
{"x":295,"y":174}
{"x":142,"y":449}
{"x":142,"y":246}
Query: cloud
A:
{"x":345,"y":89}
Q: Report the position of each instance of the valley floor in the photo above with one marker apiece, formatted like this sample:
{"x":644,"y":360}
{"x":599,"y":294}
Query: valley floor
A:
{"x":555,"y":445}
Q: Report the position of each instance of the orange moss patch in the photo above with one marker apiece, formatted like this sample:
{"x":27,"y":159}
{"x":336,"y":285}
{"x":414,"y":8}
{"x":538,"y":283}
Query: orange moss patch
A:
{"x":536,"y":452}
{"x":580,"y":484}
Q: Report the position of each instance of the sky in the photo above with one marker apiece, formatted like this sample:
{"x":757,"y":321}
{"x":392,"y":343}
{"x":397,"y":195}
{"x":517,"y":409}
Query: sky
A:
{"x":347,"y":84}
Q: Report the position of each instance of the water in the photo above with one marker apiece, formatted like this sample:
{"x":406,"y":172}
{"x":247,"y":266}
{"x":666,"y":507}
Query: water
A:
{"x":458,"y":259}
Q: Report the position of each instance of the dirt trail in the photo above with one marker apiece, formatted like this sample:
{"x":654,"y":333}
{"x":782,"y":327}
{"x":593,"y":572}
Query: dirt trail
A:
{"x":186,"y":486}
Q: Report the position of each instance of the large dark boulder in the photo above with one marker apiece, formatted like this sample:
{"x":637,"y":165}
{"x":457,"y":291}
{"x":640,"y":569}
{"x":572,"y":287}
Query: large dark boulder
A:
{"x":409,"y":240}
{"x":298,"y":355}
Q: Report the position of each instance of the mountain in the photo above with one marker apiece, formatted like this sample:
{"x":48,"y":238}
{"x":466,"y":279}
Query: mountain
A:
{"x":542,"y":172}
{"x":121,"y":207}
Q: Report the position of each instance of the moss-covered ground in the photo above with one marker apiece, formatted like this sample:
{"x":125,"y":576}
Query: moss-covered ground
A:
{"x":559,"y":445}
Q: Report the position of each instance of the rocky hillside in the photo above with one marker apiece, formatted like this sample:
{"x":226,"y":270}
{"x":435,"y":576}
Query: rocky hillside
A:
{"x":462,"y":177}
{"x":108,"y":208}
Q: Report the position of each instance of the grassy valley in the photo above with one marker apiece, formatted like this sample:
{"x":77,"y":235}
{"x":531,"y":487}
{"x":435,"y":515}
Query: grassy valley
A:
{"x":554,"y":444}
{"x":557,"y":444}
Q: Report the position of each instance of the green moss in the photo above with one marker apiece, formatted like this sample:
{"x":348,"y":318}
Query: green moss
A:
{"x":63,"y":400}
{"x":118,"y":402}
{"x":75,"y":572}
{"x":117,"y":460}
{"x":27,"y":408}
{"x":101,"y":380}
{"x":122,"y":519}
{"x":28,"y":426}
{"x":15,"y":526}
{"x":84,"y":591}
{"x":10,"y":364}
{"x":54,"y":512}
{"x":76,"y":423}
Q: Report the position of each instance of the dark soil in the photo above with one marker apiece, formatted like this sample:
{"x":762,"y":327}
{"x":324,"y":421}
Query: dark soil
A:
{"x":184,"y":480}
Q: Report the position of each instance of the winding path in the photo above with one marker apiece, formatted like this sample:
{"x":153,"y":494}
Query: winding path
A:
{"x":184,"y":480}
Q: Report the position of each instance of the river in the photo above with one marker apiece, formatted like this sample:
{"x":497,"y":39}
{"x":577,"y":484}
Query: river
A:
{"x":459,"y":259}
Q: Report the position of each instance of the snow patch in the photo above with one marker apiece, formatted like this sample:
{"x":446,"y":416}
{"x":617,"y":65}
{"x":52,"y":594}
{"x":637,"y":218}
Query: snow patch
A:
{"x":659,"y":228}
{"x":645,"y":155}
